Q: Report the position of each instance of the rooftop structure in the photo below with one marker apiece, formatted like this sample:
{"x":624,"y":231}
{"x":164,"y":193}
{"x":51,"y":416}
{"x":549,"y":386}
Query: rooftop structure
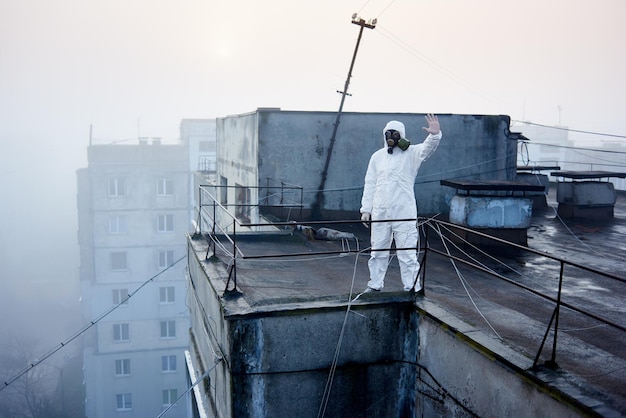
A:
{"x":280,"y":326}
{"x":274,"y":147}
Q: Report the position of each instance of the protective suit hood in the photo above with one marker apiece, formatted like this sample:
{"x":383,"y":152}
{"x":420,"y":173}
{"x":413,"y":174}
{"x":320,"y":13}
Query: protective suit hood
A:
{"x":396,"y":126}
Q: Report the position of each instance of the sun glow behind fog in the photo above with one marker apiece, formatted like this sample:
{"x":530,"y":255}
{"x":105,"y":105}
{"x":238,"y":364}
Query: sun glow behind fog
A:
{"x":129,"y":69}
{"x":223,"y":49}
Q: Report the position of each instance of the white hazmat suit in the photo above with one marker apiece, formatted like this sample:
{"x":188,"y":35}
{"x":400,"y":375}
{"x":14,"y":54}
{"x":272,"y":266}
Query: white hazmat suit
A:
{"x":389,"y":194}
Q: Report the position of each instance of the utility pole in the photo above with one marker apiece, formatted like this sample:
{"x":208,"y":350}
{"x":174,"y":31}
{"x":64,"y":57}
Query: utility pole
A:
{"x":316,"y":207}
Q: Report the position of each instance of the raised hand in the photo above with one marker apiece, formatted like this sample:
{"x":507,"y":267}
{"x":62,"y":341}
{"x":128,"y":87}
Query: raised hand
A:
{"x":433,"y":124}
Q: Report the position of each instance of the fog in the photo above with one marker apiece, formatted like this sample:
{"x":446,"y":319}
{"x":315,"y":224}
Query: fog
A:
{"x":130,"y":69}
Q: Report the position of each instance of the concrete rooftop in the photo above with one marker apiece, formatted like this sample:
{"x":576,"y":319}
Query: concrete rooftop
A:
{"x":591,"y":353}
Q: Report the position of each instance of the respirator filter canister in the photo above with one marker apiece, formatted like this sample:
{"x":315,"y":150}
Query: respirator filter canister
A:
{"x":393,"y":138}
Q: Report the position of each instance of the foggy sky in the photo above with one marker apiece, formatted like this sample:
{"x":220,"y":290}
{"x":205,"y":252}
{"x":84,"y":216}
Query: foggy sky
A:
{"x":136,"y":68}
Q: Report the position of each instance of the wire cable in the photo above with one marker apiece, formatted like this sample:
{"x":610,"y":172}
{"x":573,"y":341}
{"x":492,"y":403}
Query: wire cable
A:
{"x":438,"y":175}
{"x":578,"y":148}
{"x":571,"y":130}
{"x":430,"y":62}
{"x":386,"y":8}
{"x":495,"y":259}
{"x":584,"y":244}
{"x":198,"y":380}
{"x":333,"y":367}
{"x":462,"y":280}
{"x":65,"y":342}
{"x":524,"y":152}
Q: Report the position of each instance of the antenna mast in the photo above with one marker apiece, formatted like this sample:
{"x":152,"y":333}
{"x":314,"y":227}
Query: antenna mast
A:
{"x":316,"y":208}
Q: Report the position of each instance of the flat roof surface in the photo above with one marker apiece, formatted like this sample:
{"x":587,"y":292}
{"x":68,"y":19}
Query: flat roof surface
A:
{"x":313,"y":273}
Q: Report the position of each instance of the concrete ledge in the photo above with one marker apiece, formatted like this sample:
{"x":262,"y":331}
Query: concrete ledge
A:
{"x":487,"y":378}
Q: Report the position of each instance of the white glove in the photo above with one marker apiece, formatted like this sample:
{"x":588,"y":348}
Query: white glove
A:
{"x":366,"y":217}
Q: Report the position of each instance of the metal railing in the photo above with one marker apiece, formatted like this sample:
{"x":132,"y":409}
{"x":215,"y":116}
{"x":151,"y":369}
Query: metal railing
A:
{"x":555,"y":299}
{"x":229,"y":226}
{"x":215,"y":219}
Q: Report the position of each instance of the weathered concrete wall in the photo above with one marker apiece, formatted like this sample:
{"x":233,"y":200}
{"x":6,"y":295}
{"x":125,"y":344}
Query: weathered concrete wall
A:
{"x":292,"y":147}
{"x":276,"y":362}
{"x":396,"y":359}
{"x":467,"y":374}
{"x":280,"y":363}
{"x":209,"y":332}
{"x":237,"y":156}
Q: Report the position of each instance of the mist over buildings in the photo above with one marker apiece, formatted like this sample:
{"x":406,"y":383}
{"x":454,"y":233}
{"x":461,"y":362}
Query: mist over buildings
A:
{"x":112,"y":72}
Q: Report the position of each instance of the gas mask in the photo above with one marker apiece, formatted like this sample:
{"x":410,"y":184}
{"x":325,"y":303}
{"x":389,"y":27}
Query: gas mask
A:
{"x":394,"y":139}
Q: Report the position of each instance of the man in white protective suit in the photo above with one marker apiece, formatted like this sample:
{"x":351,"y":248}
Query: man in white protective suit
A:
{"x":389,"y":194}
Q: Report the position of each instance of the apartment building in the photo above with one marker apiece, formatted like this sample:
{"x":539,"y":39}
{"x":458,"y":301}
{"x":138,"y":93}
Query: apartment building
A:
{"x":133,"y":210}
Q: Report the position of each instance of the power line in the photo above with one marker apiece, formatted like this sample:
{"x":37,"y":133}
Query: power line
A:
{"x":316,"y":208}
{"x":190,"y":388}
{"x":572,"y":130}
{"x":464,"y":83}
{"x":386,"y":8}
{"x":432,"y":63}
{"x":51,"y":352}
{"x":578,"y":148}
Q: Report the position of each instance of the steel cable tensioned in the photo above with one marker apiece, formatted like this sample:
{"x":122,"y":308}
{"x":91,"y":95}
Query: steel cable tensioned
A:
{"x":581,"y":242}
{"x":51,"y":352}
{"x":333,"y":366}
{"x":570,"y":130}
{"x":190,"y":388}
{"x":437,"y":175}
{"x":491,"y":257}
{"x":463,"y":281}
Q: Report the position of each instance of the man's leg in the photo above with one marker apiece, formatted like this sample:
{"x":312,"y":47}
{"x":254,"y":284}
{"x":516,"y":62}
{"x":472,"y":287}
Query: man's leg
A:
{"x":405,"y":235}
{"x":379,"y":260}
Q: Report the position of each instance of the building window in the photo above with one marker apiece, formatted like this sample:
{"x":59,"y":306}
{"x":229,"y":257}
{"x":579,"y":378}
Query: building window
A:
{"x":117,"y":224}
{"x":124,"y":401}
{"x":166,"y":258}
{"x":122,"y":367}
{"x":168,"y":364}
{"x":169,"y":396}
{"x":165,"y":187}
{"x":165,"y":223}
{"x":167,"y":294}
{"x":120,"y":296}
{"x":121,"y":333}
{"x":117,"y":187}
{"x":168,"y":329}
{"x":118,"y":260}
